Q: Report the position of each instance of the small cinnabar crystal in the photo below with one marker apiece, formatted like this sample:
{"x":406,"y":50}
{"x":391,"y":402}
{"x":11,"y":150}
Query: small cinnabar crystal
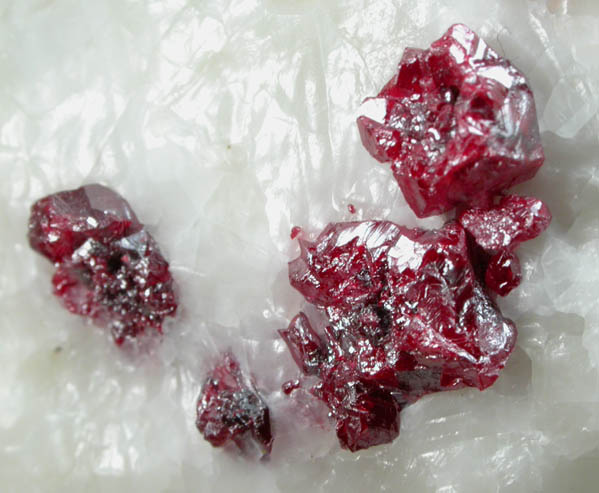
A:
{"x":230,"y":410}
{"x":305,"y":345}
{"x":496,"y":231}
{"x":457,"y":122}
{"x":513,"y":220}
{"x":108,"y":267}
{"x":503,"y":272}
{"x":407,"y":316}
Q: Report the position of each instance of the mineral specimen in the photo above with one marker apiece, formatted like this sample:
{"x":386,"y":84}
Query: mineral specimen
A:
{"x":457,"y":122}
{"x":407,"y":316}
{"x":108,"y":267}
{"x":230,"y":410}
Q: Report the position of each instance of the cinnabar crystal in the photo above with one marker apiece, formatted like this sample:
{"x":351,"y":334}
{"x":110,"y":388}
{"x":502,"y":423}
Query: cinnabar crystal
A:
{"x":497,"y":230}
{"x":230,"y":410}
{"x":108,"y":267}
{"x":407,"y":316}
{"x":457,"y":122}
{"x":513,"y":220}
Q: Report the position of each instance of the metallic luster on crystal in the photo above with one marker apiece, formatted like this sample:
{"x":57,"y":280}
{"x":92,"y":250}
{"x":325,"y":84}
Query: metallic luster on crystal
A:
{"x":496,"y":231}
{"x":457,"y":122}
{"x":407,"y":316}
{"x":229,"y":410}
{"x":108,"y":267}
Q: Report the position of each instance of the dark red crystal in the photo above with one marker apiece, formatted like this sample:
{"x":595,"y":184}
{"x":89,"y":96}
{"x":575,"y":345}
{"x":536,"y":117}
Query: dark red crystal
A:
{"x":290,"y":385}
{"x":503,"y":272}
{"x":295,"y":231}
{"x":305,"y":344}
{"x":230,"y":410}
{"x":512,"y":221}
{"x":407,"y":316}
{"x":458,"y":124}
{"x":366,"y":413}
{"x":497,"y":230}
{"x":108,"y":267}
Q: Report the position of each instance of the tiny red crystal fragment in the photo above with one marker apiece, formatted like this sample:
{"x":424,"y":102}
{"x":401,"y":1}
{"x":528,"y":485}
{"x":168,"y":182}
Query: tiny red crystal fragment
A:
{"x":503,"y":272}
{"x":230,"y":410}
{"x":457,"y":122}
{"x":407,"y":316}
{"x":108,"y":267}
{"x":295,"y":231}
{"x":290,"y":385}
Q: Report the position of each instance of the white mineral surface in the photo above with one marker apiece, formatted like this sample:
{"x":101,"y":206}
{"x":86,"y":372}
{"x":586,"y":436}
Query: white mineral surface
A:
{"x":225,"y":123}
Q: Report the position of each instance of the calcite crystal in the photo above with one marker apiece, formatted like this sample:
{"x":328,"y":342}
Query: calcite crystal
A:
{"x":407,"y":315}
{"x":229,"y":410}
{"x":108,"y":267}
{"x":457,"y":122}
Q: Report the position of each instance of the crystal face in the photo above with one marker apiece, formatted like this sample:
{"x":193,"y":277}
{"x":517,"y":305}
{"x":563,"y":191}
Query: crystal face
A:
{"x":407,"y":316}
{"x":108,"y":267}
{"x":512,"y":221}
{"x":230,"y":410}
{"x":457,"y":122}
{"x":503,"y":272}
{"x":304,"y":343}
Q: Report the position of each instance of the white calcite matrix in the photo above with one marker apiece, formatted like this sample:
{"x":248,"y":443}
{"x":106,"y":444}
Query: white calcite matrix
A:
{"x":224,"y":124}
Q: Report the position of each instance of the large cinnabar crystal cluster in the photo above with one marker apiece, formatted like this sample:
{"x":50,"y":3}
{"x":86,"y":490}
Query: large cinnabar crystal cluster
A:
{"x":108,"y":267}
{"x":411,"y":311}
{"x":458,"y":124}
{"x":407,"y":315}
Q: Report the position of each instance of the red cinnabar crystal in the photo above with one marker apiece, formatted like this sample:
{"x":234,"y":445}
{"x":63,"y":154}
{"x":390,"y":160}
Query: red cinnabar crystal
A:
{"x":512,"y":221}
{"x":496,"y":232}
{"x":503,"y":272}
{"x":108,"y":267}
{"x":407,"y":315}
{"x":290,"y":385}
{"x":457,"y":122}
{"x":230,"y":410}
{"x":305,"y":344}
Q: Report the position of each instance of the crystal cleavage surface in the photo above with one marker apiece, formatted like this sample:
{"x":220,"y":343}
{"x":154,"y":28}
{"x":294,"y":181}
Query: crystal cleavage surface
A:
{"x":496,"y":231}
